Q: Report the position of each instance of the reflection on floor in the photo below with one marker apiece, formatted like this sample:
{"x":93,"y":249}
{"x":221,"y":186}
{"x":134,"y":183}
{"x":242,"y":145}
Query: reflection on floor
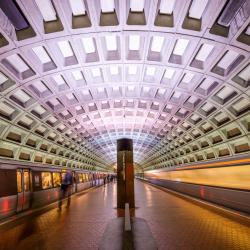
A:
{"x":174,"y":222}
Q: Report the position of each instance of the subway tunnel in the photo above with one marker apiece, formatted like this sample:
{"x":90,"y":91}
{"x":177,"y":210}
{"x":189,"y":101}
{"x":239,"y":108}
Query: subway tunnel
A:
{"x":171,"y":75}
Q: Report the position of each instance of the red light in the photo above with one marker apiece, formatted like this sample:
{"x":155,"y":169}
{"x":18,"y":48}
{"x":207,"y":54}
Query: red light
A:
{"x":202,"y":192}
{"x":5,"y":205}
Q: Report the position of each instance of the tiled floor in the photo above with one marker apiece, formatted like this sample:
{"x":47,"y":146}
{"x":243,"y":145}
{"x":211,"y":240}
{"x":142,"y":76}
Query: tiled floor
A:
{"x":174,"y":222}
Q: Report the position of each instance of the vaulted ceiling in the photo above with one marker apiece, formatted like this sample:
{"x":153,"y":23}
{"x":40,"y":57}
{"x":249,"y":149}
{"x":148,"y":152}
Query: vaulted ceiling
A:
{"x":77,"y":75}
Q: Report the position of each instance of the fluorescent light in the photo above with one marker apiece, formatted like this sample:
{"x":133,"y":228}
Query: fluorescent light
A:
{"x":111,"y":42}
{"x":134,"y":42}
{"x":6,"y":109}
{"x":187,"y":77}
{"x":47,"y":10}
{"x":39,"y":110}
{"x":26,"y":120}
{"x":228,"y":59}
{"x":167,"y":6}
{"x":107,"y":6}
{"x":17,"y":62}
{"x":137,"y":5}
{"x":180,"y":46}
{"x":77,"y":7}
{"x":40,"y":86}
{"x":42,"y":54}
{"x":59,"y":80}
{"x":197,"y":8}
{"x":169,"y":73}
{"x":204,"y":52}
{"x":88,"y":44}
{"x":157,"y":43}
{"x":96,"y":72}
{"x":245,"y":73}
{"x":65,"y":48}
{"x":224,"y":93}
{"x":21,"y":96}
{"x":114,"y":70}
{"x":77,"y":74}
{"x":3,"y":78}
{"x":150,"y":71}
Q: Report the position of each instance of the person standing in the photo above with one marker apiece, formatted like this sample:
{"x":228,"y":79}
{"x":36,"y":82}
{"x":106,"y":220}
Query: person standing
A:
{"x":66,"y":188}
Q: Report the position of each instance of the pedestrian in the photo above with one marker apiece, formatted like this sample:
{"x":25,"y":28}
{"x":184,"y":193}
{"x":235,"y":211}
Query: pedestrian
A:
{"x":66,"y":188}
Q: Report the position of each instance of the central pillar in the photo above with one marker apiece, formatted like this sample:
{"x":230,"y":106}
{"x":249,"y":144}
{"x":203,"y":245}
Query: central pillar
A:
{"x":125,"y":173}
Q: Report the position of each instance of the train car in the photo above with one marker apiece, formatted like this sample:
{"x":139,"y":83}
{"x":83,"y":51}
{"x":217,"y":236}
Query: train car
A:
{"x":24,"y":186}
{"x":225,"y":183}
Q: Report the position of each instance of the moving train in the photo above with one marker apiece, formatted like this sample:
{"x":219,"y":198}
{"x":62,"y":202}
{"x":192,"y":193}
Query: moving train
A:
{"x":226,"y":183}
{"x":25,"y":186}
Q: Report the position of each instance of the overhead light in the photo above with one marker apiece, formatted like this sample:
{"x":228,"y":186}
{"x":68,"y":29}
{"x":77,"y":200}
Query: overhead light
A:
{"x":47,"y":10}
{"x":187,"y":77}
{"x":111,"y":43}
{"x":167,"y":6}
{"x":77,"y":74}
{"x":40,"y":86}
{"x":245,"y":73}
{"x":180,"y":46}
{"x":204,"y":52}
{"x":21,"y":96}
{"x":150,"y":71}
{"x":107,"y":6}
{"x":137,"y":5}
{"x":228,"y":59}
{"x":96,"y":72}
{"x":224,"y":93}
{"x":114,"y":70}
{"x":65,"y":48}
{"x":169,"y":73}
{"x":88,"y":44}
{"x":59,"y":80}
{"x":77,"y":7}
{"x":42,"y":54}
{"x":197,"y":8}
{"x":134,"y":42}
{"x":157,"y":43}
{"x":3,"y":78}
{"x":17,"y":62}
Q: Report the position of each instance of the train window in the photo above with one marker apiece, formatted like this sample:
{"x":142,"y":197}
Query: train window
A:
{"x":46,"y":180}
{"x":19,"y":181}
{"x":56,"y":179}
{"x":80,"y":178}
{"x":26,"y":181}
{"x":86,"y":177}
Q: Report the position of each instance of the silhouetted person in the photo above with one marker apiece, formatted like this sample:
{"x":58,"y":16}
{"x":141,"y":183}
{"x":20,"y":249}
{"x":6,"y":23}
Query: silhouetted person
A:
{"x":66,"y":188}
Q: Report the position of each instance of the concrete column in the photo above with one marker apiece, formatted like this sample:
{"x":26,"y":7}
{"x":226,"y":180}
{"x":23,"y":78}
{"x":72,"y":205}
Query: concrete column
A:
{"x":125,"y":173}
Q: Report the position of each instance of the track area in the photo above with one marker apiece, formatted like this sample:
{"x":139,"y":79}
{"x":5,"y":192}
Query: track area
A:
{"x":176,"y":223}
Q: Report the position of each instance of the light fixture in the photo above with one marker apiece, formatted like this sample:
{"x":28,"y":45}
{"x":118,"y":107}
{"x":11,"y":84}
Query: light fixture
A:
{"x":17,"y":62}
{"x":111,"y":42}
{"x":134,"y":42}
{"x":47,"y":10}
{"x":88,"y":44}
{"x":180,"y":46}
{"x":197,"y":8}
{"x":204,"y":52}
{"x":65,"y":48}
{"x":228,"y":59}
{"x":42,"y":54}
{"x":167,"y":7}
{"x":77,"y":7}
{"x":157,"y":43}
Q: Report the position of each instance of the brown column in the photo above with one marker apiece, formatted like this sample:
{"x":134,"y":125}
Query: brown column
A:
{"x":125,"y":173}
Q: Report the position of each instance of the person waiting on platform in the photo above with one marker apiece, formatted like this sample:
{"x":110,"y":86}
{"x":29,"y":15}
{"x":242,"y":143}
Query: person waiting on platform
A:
{"x":66,"y":185}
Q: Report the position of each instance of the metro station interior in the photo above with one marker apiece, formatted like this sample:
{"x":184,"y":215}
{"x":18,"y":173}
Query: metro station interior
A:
{"x":168,"y":78}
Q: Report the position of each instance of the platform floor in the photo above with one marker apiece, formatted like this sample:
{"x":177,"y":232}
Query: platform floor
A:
{"x":175,"y":223}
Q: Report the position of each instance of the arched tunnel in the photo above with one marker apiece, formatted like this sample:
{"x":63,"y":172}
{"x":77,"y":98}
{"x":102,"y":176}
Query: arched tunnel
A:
{"x":173,"y":76}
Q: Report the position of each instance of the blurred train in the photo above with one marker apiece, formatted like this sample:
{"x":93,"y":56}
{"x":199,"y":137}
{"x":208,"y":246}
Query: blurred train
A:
{"x":225,"y":183}
{"x":25,"y":186}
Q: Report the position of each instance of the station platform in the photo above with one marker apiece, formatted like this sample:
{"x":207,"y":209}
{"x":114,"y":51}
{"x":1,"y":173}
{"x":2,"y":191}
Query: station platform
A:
{"x":176,"y":223}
